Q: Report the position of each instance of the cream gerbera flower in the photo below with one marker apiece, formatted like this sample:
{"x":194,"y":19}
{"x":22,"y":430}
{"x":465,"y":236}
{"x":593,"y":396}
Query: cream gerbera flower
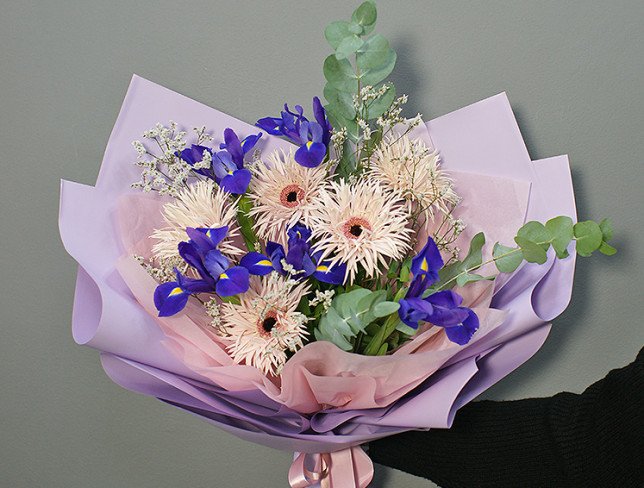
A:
{"x":411,"y":169}
{"x":282,"y":193}
{"x":203,"y":204}
{"x":265,"y":324}
{"x":360,"y":224}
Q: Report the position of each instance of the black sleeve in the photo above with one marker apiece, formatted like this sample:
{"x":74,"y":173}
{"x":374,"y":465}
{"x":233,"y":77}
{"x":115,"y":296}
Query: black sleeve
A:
{"x":595,"y":439}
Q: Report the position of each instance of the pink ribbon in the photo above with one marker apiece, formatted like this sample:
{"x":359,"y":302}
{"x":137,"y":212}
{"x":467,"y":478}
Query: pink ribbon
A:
{"x":349,"y":468}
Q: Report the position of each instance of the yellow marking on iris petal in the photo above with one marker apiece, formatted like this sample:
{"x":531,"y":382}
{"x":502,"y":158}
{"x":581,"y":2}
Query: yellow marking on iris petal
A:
{"x":322,"y":268}
{"x":223,"y":276}
{"x":309,"y":144}
{"x":175,"y":291}
{"x":424,"y":265}
{"x":264,"y":262}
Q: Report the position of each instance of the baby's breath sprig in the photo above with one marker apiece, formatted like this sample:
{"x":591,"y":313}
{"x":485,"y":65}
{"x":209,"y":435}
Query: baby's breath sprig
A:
{"x":163,"y":170}
{"x":162,"y":270}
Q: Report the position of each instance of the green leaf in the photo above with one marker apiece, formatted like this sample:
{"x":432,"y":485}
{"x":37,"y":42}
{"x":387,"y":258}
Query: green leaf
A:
{"x":336,"y":31}
{"x":405,"y":329}
{"x":246,"y":222}
{"x":373,"y":53}
{"x":341,"y":102}
{"x":380,"y":105}
{"x":474,"y":258}
{"x":532,"y":252}
{"x":393,"y":269}
{"x":383,"y":309}
{"x":356,"y":29}
{"x":607,"y":249}
{"x":338,"y":122}
{"x":560,"y":229}
{"x":332,"y":335}
{"x":466,"y":278}
{"x":339,"y":73}
{"x":506,"y":262}
{"x":606,"y":227}
{"x":589,"y":237}
{"x":383,"y":350}
{"x":365,"y":14}
{"x":333,"y":320}
{"x":405,"y":272}
{"x":234,"y":299}
{"x":347,"y":164}
{"x":535,"y":232}
{"x":374,"y":75}
{"x":348,"y":46}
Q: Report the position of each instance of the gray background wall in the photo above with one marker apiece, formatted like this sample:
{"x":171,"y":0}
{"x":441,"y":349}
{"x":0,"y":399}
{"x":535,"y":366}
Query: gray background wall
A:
{"x":573,"y":71}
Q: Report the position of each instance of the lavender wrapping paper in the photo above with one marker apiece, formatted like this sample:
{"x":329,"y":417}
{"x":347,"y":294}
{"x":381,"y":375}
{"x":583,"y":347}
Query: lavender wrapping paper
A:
{"x":482,"y":138}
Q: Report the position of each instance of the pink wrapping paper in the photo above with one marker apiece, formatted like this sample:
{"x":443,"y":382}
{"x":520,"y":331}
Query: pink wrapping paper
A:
{"x":317,"y":406}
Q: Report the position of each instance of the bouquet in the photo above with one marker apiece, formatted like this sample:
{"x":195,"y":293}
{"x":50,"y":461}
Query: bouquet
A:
{"x":329,"y":276}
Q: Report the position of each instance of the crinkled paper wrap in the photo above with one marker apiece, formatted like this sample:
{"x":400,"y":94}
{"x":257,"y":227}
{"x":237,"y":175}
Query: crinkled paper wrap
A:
{"x":327,"y":400}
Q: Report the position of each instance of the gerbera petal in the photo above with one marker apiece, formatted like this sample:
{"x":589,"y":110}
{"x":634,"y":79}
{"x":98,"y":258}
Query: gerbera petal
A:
{"x":262,"y":336}
{"x":202,"y":205}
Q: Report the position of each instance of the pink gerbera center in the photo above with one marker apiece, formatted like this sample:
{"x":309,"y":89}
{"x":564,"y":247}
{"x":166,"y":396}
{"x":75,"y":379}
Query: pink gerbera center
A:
{"x":291,"y":196}
{"x":267,"y":324}
{"x":354,"y":227}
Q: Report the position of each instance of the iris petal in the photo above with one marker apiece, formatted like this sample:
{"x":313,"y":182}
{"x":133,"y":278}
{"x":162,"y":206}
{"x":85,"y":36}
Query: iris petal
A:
{"x":256,"y":263}
{"x":272,"y":125}
{"x":461,"y":334}
{"x":311,"y":154}
{"x":170,"y":299}
{"x":237,"y":182}
{"x":234,"y":281}
{"x":233,"y":146}
{"x":445,"y":298}
{"x":249,"y":142}
{"x":428,"y":262}
{"x":276,"y":254}
{"x":216,"y":263}
{"x":333,"y":275}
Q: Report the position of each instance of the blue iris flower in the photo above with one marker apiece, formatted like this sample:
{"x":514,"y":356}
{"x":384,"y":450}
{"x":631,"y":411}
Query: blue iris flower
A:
{"x":299,"y":256}
{"x":442,"y":308}
{"x":214,"y":270}
{"x":227,"y":167}
{"x":312,"y":137}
